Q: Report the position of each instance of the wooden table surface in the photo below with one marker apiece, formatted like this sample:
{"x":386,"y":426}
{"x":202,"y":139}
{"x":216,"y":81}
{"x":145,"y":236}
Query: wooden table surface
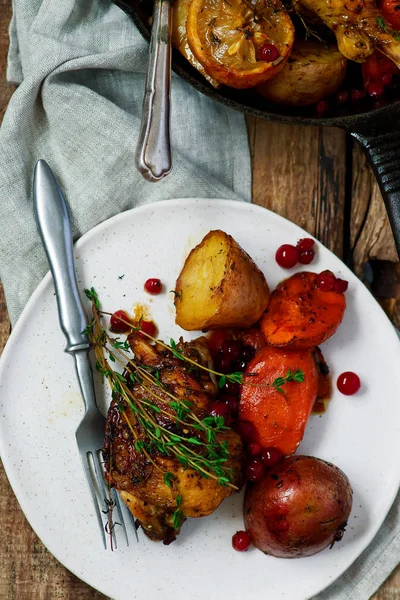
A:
{"x":315,"y":177}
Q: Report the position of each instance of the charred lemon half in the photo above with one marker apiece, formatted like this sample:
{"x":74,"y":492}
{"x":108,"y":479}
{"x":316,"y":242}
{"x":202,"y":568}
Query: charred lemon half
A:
{"x":229,"y":38}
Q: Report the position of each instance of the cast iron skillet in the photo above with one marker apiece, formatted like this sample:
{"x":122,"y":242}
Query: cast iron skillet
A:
{"x":377,"y":130}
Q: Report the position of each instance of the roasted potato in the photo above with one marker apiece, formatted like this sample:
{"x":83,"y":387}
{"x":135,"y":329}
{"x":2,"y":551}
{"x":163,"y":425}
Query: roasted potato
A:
{"x":219,"y":286}
{"x":311,"y":73}
{"x":299,"y":508}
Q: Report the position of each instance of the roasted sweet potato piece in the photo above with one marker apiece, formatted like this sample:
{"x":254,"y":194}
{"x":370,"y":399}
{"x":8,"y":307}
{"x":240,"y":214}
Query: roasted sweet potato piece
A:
{"x":300,"y":315}
{"x":279,"y":417}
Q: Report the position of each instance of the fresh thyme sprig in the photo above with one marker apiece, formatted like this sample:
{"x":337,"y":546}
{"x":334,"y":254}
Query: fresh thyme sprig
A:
{"x":290,"y":376}
{"x":195,"y":443}
{"x":381,"y":23}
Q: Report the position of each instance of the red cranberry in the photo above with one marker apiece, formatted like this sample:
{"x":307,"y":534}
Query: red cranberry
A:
{"x":322,"y":107}
{"x":305,"y":244}
{"x":306,"y":256}
{"x":224,"y":365}
{"x":233,"y":404}
{"x":149,"y":328}
{"x":247,"y":431}
{"x":153,"y":286}
{"x":348,"y":383}
{"x":254,"y":449}
{"x":287,"y":256}
{"x":357,"y":95}
{"x":387,"y":78}
{"x":268,"y":53}
{"x":220,"y":409}
{"x":230,"y":387}
{"x":247,"y":353}
{"x":240,"y":365}
{"x":342,"y":97}
{"x":271,"y":456}
{"x":241,"y":541}
{"x":375,"y":89}
{"x":340,"y":285}
{"x":119,"y":322}
{"x":215,"y":341}
{"x":255,"y":470}
{"x":231,"y":349}
{"x":326,"y":281}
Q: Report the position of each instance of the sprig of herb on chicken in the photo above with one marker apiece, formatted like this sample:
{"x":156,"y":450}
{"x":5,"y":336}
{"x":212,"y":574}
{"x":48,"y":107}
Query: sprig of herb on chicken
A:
{"x":195,"y":443}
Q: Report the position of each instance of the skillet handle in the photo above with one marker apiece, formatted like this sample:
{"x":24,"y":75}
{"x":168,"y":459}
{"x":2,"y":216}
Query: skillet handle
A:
{"x":382,"y":149}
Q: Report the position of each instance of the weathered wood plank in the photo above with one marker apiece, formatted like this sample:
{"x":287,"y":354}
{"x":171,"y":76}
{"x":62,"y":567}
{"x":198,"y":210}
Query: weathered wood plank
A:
{"x":299,"y":172}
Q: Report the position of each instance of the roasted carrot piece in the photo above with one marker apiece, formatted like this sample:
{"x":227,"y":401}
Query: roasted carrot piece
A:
{"x":279,"y":418}
{"x":300,"y":315}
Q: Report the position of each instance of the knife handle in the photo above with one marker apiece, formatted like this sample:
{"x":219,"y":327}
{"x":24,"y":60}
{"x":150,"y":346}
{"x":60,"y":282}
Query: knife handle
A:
{"x":51,"y":213}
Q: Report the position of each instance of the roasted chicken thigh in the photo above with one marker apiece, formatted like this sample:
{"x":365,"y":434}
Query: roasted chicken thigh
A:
{"x":162,"y":489}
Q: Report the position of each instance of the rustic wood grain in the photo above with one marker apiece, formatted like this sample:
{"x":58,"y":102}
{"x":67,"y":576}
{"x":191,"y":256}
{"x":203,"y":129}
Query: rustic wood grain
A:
{"x":299,"y":173}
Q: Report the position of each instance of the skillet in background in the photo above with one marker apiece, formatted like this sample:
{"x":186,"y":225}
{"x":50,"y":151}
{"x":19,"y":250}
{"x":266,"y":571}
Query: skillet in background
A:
{"x":377,"y":130}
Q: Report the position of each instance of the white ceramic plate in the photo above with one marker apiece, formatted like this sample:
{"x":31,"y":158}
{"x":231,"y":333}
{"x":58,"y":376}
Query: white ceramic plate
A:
{"x":41,"y":408}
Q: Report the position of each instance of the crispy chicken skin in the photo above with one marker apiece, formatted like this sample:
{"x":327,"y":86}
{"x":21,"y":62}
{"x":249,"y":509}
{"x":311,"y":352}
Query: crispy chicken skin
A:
{"x":357,"y":25}
{"x":141,"y":485}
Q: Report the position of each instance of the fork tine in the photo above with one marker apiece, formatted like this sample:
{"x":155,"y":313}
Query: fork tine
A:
{"x":102,"y":489}
{"x":89,"y":479}
{"x":117,"y":502}
{"x":132,"y":518}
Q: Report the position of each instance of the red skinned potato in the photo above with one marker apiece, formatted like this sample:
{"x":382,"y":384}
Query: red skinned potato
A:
{"x":300,"y":508}
{"x":300,"y":315}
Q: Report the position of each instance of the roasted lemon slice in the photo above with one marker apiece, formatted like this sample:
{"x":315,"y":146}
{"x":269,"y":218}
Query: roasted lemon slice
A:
{"x":179,"y":37}
{"x":240,"y":43}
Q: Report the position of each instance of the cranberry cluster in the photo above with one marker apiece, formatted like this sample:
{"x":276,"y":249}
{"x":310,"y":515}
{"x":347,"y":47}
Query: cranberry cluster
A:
{"x":121,"y":322}
{"x":259,"y":459}
{"x":328,"y":282}
{"x":287,"y":256}
{"x":232,"y":356}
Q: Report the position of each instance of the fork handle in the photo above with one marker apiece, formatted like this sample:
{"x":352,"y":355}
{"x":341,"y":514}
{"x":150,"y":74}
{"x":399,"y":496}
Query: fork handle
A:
{"x":54,"y":226}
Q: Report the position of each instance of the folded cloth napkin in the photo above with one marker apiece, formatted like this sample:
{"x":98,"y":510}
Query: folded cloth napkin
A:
{"x":80,"y":65}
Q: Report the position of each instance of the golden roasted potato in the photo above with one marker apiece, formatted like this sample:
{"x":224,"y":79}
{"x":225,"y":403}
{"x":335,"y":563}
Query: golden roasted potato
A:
{"x":219,"y":286}
{"x":180,"y":41}
{"x":312,"y":72}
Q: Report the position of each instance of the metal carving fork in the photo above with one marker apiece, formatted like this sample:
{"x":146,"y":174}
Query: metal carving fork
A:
{"x":54,"y":226}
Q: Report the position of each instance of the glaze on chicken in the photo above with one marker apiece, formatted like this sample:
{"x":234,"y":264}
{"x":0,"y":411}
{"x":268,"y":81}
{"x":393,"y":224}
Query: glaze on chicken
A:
{"x":140,"y":483}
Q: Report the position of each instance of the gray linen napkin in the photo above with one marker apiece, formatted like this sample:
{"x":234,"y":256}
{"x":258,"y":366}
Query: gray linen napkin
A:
{"x":80,"y":65}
